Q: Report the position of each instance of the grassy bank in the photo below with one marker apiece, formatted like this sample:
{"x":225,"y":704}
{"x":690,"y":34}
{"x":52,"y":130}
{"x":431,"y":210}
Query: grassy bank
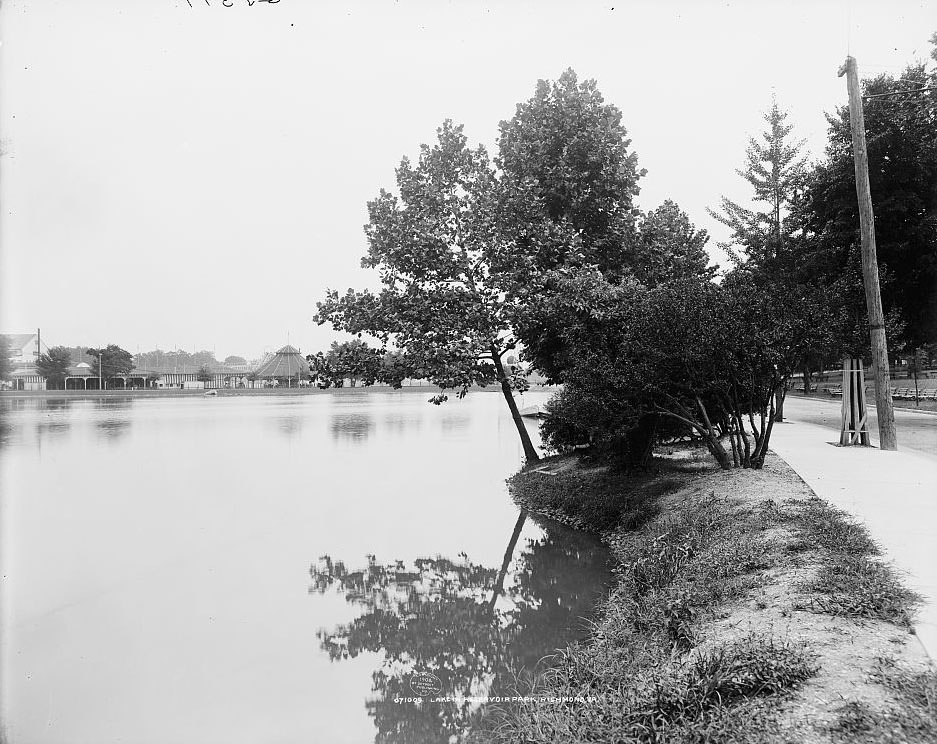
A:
{"x":746,"y":610}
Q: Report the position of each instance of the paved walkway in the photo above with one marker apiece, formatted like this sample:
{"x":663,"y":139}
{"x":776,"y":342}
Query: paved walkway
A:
{"x":917,"y":430}
{"x":893,"y":493}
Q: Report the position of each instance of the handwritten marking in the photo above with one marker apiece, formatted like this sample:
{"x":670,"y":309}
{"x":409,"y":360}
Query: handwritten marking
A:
{"x":232,"y":3}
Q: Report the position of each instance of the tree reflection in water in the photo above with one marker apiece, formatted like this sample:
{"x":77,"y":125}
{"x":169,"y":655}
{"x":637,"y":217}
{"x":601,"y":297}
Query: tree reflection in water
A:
{"x":355,"y":427}
{"x":477,"y":629}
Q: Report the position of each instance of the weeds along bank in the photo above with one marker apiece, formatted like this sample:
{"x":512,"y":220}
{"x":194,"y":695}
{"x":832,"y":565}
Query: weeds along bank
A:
{"x":746,"y":610}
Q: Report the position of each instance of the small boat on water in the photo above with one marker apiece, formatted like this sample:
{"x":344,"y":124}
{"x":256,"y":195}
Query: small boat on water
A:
{"x":537,"y":410}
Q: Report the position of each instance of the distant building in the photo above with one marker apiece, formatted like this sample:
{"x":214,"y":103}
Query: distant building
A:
{"x":286,"y":367}
{"x":237,"y":363}
{"x":23,"y":351}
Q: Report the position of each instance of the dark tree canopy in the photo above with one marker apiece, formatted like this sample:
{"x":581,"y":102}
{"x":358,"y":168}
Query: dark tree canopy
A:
{"x":571,"y":146}
{"x":668,"y":247}
{"x":901,"y":136}
{"x":112,"y":360}
{"x":54,"y":365}
{"x":697,"y":353}
{"x":445,"y":617}
{"x":354,"y":361}
{"x":473,"y":256}
{"x":6,"y":367}
{"x":566,"y":155}
{"x":445,"y":298}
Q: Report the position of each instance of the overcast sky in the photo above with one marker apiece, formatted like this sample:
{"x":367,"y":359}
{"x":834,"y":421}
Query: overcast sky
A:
{"x":196,"y":177}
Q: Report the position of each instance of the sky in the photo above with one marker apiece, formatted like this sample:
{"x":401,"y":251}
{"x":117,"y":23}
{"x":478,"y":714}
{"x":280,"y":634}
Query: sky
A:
{"x":195,"y":177}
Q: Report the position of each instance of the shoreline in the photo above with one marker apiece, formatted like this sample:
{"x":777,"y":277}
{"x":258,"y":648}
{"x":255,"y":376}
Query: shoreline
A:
{"x":230,"y":393}
{"x":745,"y":610}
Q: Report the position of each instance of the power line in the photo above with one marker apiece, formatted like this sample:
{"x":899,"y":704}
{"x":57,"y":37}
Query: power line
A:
{"x":900,"y":92}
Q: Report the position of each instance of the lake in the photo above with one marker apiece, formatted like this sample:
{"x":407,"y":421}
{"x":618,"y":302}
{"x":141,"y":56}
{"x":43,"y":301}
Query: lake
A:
{"x":272,"y":568}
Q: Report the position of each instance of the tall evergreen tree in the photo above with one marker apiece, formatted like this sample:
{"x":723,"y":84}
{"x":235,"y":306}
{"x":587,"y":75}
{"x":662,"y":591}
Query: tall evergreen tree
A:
{"x":775,"y":168}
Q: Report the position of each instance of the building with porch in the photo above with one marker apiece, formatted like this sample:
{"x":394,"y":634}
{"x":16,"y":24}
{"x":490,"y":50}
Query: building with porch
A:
{"x":23,"y":350}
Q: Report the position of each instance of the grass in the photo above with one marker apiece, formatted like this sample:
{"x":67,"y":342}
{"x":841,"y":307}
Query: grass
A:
{"x":596,"y":500}
{"x":910,"y":717}
{"x":849,"y":581}
{"x":650,"y":678}
{"x":652,"y":669}
{"x":600,"y":499}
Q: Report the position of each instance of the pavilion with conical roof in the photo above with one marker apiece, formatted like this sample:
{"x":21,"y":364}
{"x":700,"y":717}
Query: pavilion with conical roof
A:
{"x":287,"y":364}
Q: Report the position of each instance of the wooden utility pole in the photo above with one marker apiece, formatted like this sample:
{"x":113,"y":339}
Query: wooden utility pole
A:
{"x":888,"y":439}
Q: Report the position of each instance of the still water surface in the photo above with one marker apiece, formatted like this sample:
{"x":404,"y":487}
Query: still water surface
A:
{"x":275,"y":569}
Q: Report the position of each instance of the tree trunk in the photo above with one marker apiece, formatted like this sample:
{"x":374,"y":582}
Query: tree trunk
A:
{"x":806,"y":373}
{"x":779,"y":404}
{"x":719,"y":452}
{"x":508,"y":553}
{"x":761,"y":451}
{"x":530,"y":454}
{"x":639,"y":442}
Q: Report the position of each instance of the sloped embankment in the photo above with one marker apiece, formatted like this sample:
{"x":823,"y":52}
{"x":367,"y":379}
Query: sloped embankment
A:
{"x":746,"y":610}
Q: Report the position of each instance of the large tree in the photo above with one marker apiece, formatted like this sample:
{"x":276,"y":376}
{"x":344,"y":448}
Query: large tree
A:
{"x":54,"y":366}
{"x":110,"y":361}
{"x":570,"y":145}
{"x":6,"y":367}
{"x":669,"y":247}
{"x":695,"y":353}
{"x":768,"y":239}
{"x":354,"y":361}
{"x":445,"y":297}
{"x":470,"y":253}
{"x":567,"y":156}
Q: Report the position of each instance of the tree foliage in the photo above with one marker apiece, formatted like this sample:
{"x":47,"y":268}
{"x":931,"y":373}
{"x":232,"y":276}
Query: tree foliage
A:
{"x":669,"y":247}
{"x":566,"y":156}
{"x":54,"y":366}
{"x":6,"y":367}
{"x":699,"y":354}
{"x":445,"y":298}
{"x":901,"y":137}
{"x":355,"y":361}
{"x":110,"y":361}
{"x":473,"y":256}
{"x":775,"y":169}
{"x":476,"y":632}
{"x":176,"y":361}
{"x":570,"y":145}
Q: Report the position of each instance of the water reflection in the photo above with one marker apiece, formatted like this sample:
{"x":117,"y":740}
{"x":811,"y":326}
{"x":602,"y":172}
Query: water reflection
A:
{"x":356,"y":427}
{"x":478,"y":629}
{"x":43,"y":417}
{"x":115,"y":420}
{"x":455,"y":423}
{"x":289,"y":425}
{"x":112,"y":428}
{"x":398,"y":423}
